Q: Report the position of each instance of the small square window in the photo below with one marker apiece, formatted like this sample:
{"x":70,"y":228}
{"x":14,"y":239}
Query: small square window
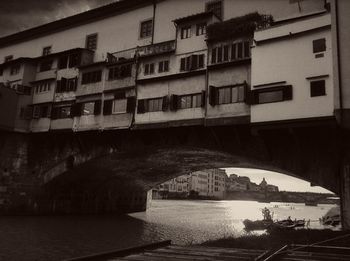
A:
{"x":319,"y":45}
{"x":46,"y":50}
{"x":317,"y":88}
{"x":91,"y":42}
{"x":146,"y":28}
{"x":15,"y":69}
{"x":185,"y":32}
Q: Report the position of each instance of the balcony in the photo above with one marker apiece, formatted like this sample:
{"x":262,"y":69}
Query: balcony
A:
{"x":156,"y":49}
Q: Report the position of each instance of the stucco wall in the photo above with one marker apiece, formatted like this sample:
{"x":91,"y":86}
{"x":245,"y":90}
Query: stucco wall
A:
{"x":292,"y":60}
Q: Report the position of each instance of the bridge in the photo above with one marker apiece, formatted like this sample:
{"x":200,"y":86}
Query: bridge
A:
{"x":111,"y":171}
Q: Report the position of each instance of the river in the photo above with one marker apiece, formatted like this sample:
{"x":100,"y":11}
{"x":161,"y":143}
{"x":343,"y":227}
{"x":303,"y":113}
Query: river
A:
{"x":184,"y":222}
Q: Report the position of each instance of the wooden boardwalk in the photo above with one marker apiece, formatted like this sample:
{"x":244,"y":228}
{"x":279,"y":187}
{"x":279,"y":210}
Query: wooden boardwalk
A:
{"x":164,"y":251}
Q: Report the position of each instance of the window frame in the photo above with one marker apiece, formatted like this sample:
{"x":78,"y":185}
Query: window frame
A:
{"x":91,"y":77}
{"x":186,"y":32}
{"x":89,"y":38}
{"x":319,"y":45}
{"x":315,"y":90}
{"x":215,"y":2}
{"x":163,"y":66}
{"x":46,"y":50}
{"x":149,"y":31}
{"x":201,"y":28}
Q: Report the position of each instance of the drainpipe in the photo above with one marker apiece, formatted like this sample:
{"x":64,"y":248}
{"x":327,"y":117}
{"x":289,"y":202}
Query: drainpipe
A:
{"x":339,"y":65}
{"x":206,"y":86}
{"x":153,"y":19}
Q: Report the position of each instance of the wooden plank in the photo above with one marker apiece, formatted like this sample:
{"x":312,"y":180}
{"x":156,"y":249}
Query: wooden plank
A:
{"x":217,"y":249}
{"x":120,"y":253}
{"x":167,"y":256}
{"x":204,"y":253}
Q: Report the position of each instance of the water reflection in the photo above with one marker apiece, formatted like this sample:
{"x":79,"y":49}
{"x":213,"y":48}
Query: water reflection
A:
{"x":184,"y":222}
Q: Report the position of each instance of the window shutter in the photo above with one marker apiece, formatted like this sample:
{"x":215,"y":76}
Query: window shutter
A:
{"x":203,"y":99}
{"x":64,"y":83}
{"x":174,"y":102}
{"x":131,"y":104}
{"x":201,"y":61}
{"x":288,"y":93}
{"x":75,"y":83}
{"x":54,"y":113}
{"x":141,"y":106}
{"x":107,"y":107}
{"x":165,"y":103}
{"x":183,"y":64}
{"x":97,"y":108}
{"x":49,"y":109}
{"x":213,"y":95}
{"x":58,"y":86}
{"x":246,"y":93}
{"x":77,"y":109}
{"x":194,"y":62}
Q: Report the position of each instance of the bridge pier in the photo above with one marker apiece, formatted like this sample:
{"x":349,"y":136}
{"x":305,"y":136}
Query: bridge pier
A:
{"x":345,"y":195}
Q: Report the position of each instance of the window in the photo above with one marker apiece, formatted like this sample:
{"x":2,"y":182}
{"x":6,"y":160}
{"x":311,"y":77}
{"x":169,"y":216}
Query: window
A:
{"x":46,"y":66}
{"x":91,"y":42}
{"x":273,"y":94}
{"x":146,"y":28}
{"x":317,"y":88}
{"x":226,"y":53}
{"x":66,"y":85}
{"x":64,"y":112}
{"x":91,"y":77}
{"x":46,"y":50}
{"x":155,"y":105}
{"x":119,"y":106}
{"x":185,"y":32}
{"x":74,"y":60}
{"x":231,"y":52}
{"x":41,"y":111}
{"x":63,"y":62}
{"x":88,"y":108}
{"x":163,"y":66}
{"x":149,"y":68}
{"x":15,"y":69}
{"x":231,"y":94}
{"x":8,"y":58}
{"x":215,"y":7}
{"x":201,"y":28}
{"x":120,"y":72}
{"x":42,"y":87}
{"x":319,"y":45}
{"x":152,"y":105}
{"x":190,"y":101}
{"x":1,"y":71}
{"x":192,"y":62}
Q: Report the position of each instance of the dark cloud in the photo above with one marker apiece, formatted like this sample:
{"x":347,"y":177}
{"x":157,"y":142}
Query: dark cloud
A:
{"x":18,"y":15}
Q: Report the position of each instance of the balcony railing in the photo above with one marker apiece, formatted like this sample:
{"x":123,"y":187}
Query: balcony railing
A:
{"x":157,"y":48}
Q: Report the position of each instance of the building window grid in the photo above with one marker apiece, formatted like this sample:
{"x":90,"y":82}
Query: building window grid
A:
{"x":120,"y":72}
{"x":154,"y":105}
{"x":235,"y":51}
{"x":215,"y":7}
{"x":43,"y":87}
{"x":91,"y":77}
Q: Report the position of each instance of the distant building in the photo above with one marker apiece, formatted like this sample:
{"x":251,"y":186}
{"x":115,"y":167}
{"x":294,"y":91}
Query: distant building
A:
{"x":216,"y":183}
{"x":272,"y":188}
{"x":198,"y":183}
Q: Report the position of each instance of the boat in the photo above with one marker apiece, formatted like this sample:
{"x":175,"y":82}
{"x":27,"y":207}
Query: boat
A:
{"x":332,"y":217}
{"x":257,"y":224}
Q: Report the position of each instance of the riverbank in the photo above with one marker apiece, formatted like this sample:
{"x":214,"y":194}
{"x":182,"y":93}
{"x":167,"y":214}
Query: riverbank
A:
{"x":277,"y":239}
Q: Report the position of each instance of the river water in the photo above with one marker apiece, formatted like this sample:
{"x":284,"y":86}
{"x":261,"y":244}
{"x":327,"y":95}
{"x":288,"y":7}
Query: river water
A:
{"x":184,"y":222}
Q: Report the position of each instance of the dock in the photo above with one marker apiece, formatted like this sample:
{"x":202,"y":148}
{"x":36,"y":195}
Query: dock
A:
{"x":166,"y":251}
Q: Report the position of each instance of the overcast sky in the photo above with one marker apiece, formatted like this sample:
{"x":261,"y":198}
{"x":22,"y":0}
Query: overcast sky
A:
{"x":284,"y":182}
{"x":18,"y":15}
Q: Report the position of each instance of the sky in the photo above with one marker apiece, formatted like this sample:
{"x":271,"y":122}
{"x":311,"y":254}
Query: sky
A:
{"x":18,"y":15}
{"x":284,"y":182}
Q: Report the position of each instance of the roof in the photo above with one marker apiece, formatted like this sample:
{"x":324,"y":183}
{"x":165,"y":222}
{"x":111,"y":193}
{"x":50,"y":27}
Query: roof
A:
{"x":26,"y":59}
{"x":72,"y":21}
{"x":197,"y":16}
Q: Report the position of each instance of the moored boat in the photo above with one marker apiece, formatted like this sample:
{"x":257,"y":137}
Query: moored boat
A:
{"x":257,"y":224}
